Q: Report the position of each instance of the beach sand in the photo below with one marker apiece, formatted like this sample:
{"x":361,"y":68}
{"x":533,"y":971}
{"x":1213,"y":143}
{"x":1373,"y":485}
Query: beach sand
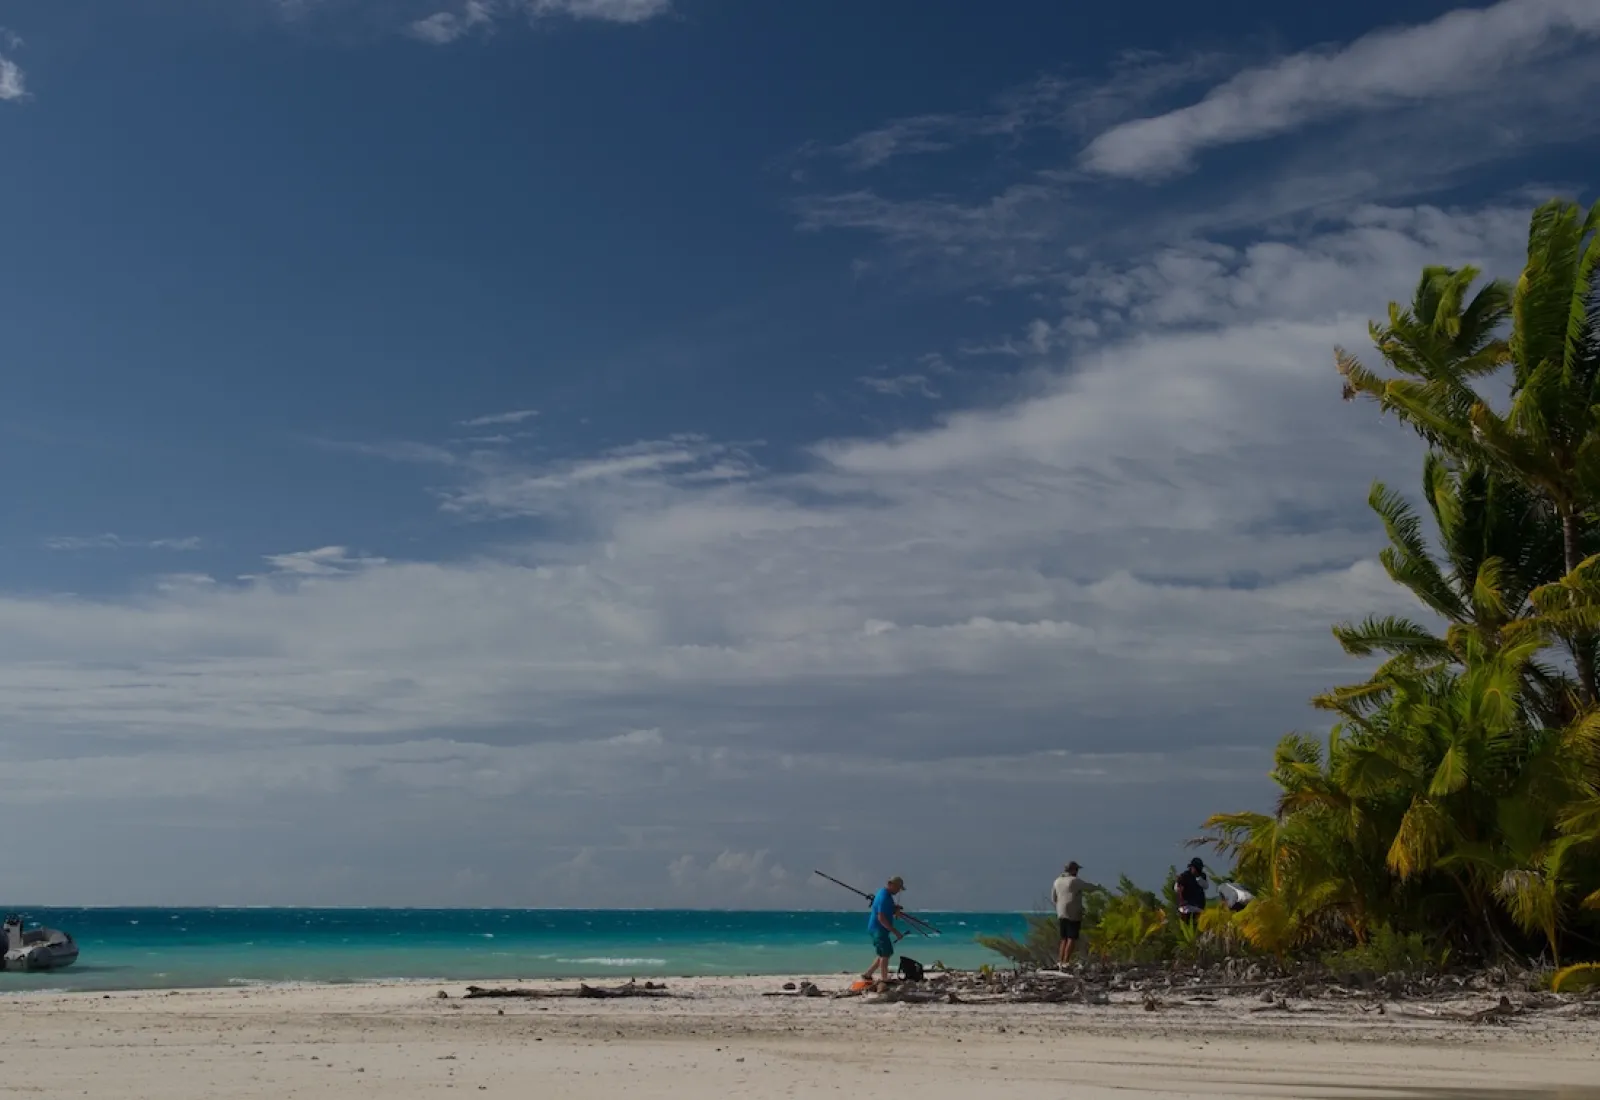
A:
{"x":394,"y":1041}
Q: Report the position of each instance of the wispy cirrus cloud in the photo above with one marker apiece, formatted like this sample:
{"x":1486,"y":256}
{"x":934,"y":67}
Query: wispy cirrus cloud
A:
{"x":109,"y":541}
{"x":450,"y":24}
{"x":610,"y":11}
{"x":516,"y":416}
{"x":899,"y":385}
{"x":1461,"y":51}
{"x":325,"y":561}
{"x":1402,"y":115}
{"x":1066,"y":105}
{"x":444,"y":27}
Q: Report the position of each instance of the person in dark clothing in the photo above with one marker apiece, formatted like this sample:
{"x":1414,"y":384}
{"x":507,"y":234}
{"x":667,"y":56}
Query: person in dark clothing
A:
{"x":1191,"y":887}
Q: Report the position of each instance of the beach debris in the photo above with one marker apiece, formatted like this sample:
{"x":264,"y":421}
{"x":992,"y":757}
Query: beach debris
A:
{"x":584,"y":990}
{"x":1500,"y":1012}
{"x":790,"y":989}
{"x":442,"y":995}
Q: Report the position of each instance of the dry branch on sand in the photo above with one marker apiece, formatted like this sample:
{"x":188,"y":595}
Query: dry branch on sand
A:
{"x":631,"y":989}
{"x":1310,"y":991}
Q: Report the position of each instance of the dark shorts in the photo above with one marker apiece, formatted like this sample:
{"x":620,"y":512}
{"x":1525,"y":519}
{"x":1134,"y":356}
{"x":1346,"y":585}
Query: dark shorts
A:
{"x":1070,"y":929}
{"x":882,"y":944}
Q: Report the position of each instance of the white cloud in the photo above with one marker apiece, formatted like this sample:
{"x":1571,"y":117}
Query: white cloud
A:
{"x":1085,"y":549}
{"x":611,"y":11}
{"x":13,"y":81}
{"x":751,"y":877}
{"x":444,"y":27}
{"x":447,"y":26}
{"x":109,"y":541}
{"x":500,"y":486}
{"x":1459,"y":52}
{"x":965,"y":229}
{"x":1047,"y":103}
{"x":899,"y":385}
{"x":326,"y":561}
{"x":516,"y":416}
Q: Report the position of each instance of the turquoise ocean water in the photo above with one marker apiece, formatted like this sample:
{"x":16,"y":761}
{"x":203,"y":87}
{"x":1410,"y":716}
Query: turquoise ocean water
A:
{"x":173,"y":948}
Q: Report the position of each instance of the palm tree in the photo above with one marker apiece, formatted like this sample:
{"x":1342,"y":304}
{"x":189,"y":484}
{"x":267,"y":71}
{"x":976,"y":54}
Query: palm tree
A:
{"x":1549,"y":438}
{"x":1498,"y":544}
{"x":1317,"y":862}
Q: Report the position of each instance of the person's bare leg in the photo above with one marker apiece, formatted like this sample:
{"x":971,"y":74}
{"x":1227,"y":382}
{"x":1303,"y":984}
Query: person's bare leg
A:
{"x":879,"y":970}
{"x":1066,"y":952}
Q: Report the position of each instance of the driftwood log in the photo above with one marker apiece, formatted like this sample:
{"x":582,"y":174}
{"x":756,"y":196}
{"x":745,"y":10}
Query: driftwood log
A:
{"x":804,"y":989}
{"x":1494,"y":1014}
{"x":631,"y":989}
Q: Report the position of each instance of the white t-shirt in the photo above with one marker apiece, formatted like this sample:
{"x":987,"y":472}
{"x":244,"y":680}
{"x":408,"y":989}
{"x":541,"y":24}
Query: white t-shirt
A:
{"x":1067,"y":893}
{"x":1234,"y":897}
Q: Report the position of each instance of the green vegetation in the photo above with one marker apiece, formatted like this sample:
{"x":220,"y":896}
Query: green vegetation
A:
{"x":1128,"y":924}
{"x":1453,"y":810}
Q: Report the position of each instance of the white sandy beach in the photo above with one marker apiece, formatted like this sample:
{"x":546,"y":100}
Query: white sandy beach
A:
{"x":725,"y":1039}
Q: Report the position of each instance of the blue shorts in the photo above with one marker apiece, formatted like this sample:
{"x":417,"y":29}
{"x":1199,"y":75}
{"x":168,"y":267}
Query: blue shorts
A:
{"x":882,"y":944}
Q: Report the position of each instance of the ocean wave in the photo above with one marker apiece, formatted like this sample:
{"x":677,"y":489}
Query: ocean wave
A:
{"x":602,"y":960}
{"x":829,"y":943}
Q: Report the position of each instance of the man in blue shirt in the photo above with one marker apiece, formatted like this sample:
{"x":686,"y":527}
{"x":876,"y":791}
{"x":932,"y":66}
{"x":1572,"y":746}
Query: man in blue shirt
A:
{"x":880,"y":925}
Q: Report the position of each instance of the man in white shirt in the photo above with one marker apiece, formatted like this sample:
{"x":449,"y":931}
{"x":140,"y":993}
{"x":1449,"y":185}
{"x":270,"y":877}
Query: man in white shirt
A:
{"x":1067,"y":893}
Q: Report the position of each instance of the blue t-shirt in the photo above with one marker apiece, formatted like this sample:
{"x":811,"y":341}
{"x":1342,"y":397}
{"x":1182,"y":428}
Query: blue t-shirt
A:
{"x":883,"y":905}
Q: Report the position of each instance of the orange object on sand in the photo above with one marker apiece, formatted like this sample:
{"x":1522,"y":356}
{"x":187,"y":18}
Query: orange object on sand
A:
{"x":860,"y":984}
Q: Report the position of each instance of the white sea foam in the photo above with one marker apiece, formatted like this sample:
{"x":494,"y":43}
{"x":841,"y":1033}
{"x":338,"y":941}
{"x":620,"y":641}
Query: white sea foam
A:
{"x":603,"y":960}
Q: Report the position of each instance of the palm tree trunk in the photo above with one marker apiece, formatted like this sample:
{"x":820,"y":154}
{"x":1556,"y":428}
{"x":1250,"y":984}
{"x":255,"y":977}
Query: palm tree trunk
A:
{"x":1583,"y":644}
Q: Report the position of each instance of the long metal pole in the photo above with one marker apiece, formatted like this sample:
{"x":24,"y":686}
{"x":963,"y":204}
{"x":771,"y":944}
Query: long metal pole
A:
{"x":921,"y":925}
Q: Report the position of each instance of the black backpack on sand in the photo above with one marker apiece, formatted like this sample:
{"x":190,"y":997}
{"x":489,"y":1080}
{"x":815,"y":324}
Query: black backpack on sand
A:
{"x":910,"y":969}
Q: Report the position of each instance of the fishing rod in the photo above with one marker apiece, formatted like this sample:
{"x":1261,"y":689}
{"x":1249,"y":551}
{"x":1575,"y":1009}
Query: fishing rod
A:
{"x":920,"y":925}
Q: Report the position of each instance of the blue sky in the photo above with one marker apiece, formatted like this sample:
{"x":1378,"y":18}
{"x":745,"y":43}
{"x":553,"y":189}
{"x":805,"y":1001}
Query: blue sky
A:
{"x":628,"y":451}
